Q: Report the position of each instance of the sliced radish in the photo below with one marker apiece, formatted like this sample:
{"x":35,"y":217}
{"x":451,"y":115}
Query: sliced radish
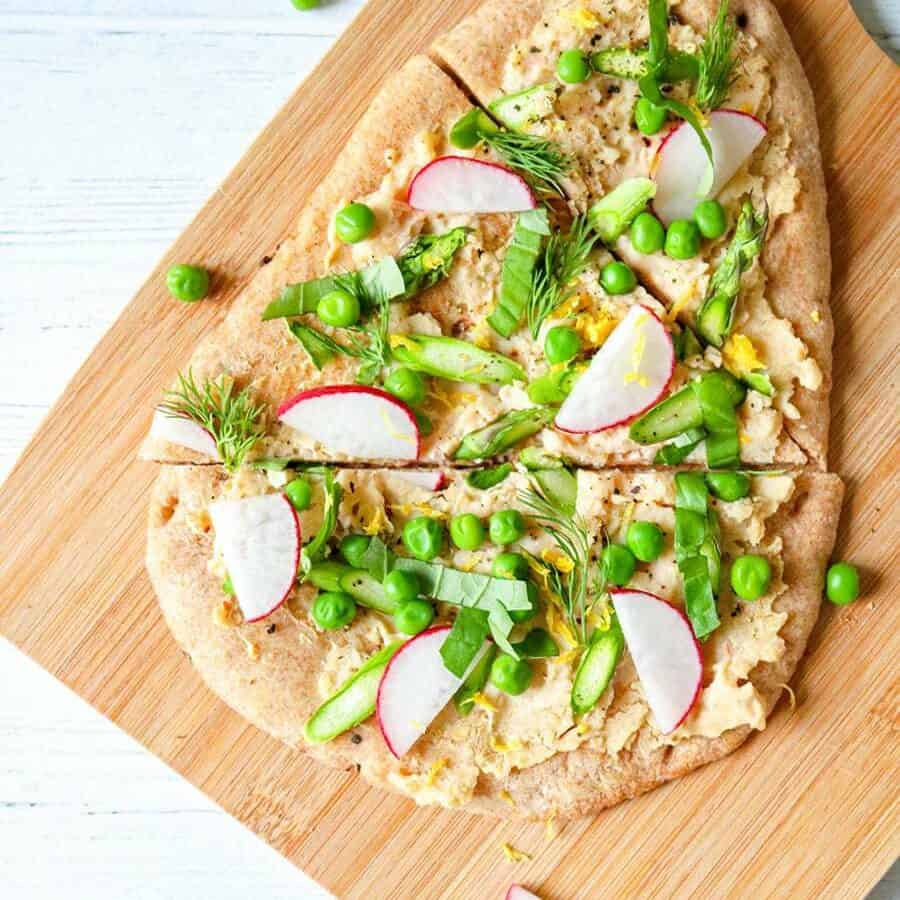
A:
{"x":517,"y":892}
{"x":682,"y":166}
{"x":185,"y":432}
{"x":665,"y":653}
{"x":362,"y":422}
{"x":426,"y":479}
{"x":259,"y":539}
{"x":628,"y":375}
{"x":457,"y":184}
{"x":415,"y":687}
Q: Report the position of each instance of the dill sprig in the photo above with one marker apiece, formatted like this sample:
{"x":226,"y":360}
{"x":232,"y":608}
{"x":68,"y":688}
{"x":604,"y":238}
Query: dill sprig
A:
{"x":716,"y":61}
{"x":232,"y":419}
{"x":576,"y":593}
{"x":565,"y":257}
{"x":374,"y":351}
{"x":540,"y":160}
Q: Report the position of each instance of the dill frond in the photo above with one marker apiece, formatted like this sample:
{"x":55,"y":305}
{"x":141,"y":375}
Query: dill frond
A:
{"x":716,"y":61}
{"x":540,"y":160}
{"x":232,"y":419}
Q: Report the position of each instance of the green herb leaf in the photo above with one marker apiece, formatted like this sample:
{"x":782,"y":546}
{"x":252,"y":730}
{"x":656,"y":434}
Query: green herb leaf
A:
{"x":466,"y":588}
{"x":565,"y":257}
{"x":716,"y":61}
{"x":234,"y":422}
{"x":464,"y":698}
{"x":467,"y":636}
{"x":539,"y":160}
{"x":680,"y":448}
{"x":377,"y":559}
{"x":485,"y":479}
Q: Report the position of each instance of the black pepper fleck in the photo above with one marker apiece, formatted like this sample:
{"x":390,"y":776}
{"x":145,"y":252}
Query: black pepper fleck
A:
{"x":742,"y":20}
{"x":265,"y":260}
{"x":613,"y":89}
{"x":355,"y":738}
{"x":271,"y":628}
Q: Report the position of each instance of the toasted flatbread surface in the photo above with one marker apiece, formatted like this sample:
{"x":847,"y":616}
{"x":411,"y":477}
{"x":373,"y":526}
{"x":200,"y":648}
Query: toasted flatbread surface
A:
{"x":272,"y":671}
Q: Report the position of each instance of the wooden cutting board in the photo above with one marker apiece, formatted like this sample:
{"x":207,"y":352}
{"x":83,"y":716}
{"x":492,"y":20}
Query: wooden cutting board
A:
{"x":807,"y":808}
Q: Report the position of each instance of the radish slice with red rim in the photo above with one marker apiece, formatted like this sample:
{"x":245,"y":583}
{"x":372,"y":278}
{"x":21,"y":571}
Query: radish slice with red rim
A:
{"x":184,"y":432}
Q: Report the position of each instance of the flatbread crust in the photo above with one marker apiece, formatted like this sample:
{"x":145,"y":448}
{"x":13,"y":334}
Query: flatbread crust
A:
{"x":276,"y":690}
{"x":796,"y":258}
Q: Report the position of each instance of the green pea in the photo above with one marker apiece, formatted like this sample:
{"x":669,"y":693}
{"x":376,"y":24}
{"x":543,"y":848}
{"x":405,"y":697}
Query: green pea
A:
{"x":710,"y":219}
{"x":354,"y":223}
{"x":523,"y":615}
{"x":353,"y":547}
{"x":842,"y":583}
{"x":401,"y":587}
{"x":561,"y":344}
{"x":512,"y":676}
{"x":406,"y":384}
{"x":423,"y":537}
{"x":647,"y":233}
{"x":338,"y":308}
{"x":305,"y":4}
{"x":617,"y":278}
{"x":187,"y":283}
{"x":728,"y":486}
{"x":466,"y":531}
{"x":510,"y":565}
{"x":617,"y":564}
{"x":299,"y":492}
{"x":682,"y":239}
{"x":414,"y":616}
{"x":645,"y":540}
{"x":506,"y":526}
{"x":649,"y":117}
{"x":333,"y":609}
{"x":750,"y":576}
{"x":573,"y":67}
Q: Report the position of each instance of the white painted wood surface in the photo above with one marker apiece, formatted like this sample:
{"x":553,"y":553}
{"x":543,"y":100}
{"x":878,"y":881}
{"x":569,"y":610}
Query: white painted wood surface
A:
{"x":118,"y":118}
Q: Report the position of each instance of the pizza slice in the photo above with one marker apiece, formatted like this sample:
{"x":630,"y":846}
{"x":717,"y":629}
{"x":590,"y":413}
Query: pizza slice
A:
{"x":522,"y":643}
{"x":637,"y":107}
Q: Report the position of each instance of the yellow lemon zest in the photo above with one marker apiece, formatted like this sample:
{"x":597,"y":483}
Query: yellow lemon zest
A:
{"x":745,"y":438}
{"x":815,"y":316}
{"x":567,"y":657}
{"x":506,"y":797}
{"x":637,"y":354}
{"x":627,"y":516}
{"x":575,"y":304}
{"x":557,"y":558}
{"x":514,"y":855}
{"x":407,"y":509}
{"x":515,"y":55}
{"x":471,"y":562}
{"x":550,"y":828}
{"x":376,"y":521}
{"x":583,"y":728}
{"x":251,"y":647}
{"x":688,"y":294}
{"x":451,"y":399}
{"x":740,"y":355}
{"x":481,"y":335}
{"x":436,"y":767}
{"x":582,"y":18}
{"x":501,"y":746}
{"x":601,"y":616}
{"x":484,"y":702}
{"x":595,"y":327}
{"x":558,"y":626}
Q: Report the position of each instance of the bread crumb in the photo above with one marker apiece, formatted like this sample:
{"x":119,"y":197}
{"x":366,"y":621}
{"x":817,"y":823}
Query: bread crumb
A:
{"x":252,"y":648}
{"x":227,"y":614}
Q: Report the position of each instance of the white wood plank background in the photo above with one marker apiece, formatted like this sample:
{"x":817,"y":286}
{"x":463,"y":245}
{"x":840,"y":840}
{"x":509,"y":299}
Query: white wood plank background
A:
{"x":117,"y":119}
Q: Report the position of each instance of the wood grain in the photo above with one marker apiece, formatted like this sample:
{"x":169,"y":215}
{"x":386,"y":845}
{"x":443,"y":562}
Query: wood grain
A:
{"x":805,"y":809}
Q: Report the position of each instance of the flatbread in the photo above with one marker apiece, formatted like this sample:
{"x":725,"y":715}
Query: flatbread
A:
{"x":796,"y":258}
{"x":268,"y":671}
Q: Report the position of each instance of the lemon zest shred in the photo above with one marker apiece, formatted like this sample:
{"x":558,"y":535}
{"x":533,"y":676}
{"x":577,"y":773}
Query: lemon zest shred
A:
{"x":436,"y":768}
{"x":471,"y":562}
{"x":566,"y":657}
{"x":816,"y":316}
{"x":688,"y":294}
{"x":582,"y":18}
{"x":484,"y":702}
{"x":557,"y":559}
{"x":500,"y":746}
{"x":514,"y":855}
{"x":550,"y":830}
{"x":377,"y":523}
{"x":506,"y":797}
{"x":740,"y":355}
